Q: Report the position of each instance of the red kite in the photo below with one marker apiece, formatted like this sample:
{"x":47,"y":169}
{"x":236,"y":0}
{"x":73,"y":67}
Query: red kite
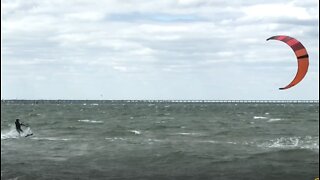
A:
{"x":302,"y":56}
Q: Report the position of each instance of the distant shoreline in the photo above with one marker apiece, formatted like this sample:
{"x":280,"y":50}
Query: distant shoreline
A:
{"x":14,"y":101}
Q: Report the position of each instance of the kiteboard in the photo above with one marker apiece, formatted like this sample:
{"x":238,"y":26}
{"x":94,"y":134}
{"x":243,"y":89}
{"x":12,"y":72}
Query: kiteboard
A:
{"x":27,"y":132}
{"x":28,"y":135}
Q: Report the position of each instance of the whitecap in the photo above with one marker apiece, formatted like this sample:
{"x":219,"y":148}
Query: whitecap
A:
{"x":155,"y":140}
{"x":230,"y":142}
{"x":9,"y":134}
{"x":135,"y":131}
{"x":189,"y":134}
{"x":274,"y":119}
{"x":209,"y":141}
{"x":220,"y":142}
{"x":307,"y":142}
{"x":259,"y":117}
{"x":89,"y":121}
{"x":115,"y":138}
{"x":13,"y":134}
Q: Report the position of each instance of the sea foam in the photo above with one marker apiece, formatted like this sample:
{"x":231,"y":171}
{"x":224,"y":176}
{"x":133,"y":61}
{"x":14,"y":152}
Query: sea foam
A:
{"x":307,"y":142}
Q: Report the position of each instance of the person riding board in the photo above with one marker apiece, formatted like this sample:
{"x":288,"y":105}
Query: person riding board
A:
{"x":18,"y":126}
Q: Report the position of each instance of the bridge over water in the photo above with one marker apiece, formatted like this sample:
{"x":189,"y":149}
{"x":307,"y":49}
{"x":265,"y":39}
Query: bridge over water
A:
{"x":160,"y":101}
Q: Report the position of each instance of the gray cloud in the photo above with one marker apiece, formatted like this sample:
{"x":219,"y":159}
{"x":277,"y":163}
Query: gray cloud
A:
{"x":156,"y":49}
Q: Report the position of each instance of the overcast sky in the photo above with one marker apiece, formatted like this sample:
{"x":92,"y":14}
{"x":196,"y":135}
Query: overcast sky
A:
{"x":159,"y":49}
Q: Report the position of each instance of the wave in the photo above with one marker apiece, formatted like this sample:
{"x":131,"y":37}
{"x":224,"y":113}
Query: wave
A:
{"x":51,"y":138}
{"x":89,"y":121}
{"x":223,"y":142}
{"x":282,"y":143}
{"x":13,"y":134}
{"x":267,"y":118}
{"x":135,"y":132}
{"x":308,"y":142}
{"x":259,"y":117}
{"x":274,"y":119}
{"x":189,"y":134}
{"x":116,"y":139}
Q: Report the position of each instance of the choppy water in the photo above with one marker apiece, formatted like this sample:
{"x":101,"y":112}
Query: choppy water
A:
{"x":161,"y":141}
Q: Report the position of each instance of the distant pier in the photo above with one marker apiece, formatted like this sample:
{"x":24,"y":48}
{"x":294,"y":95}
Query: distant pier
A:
{"x":223,"y":101}
{"x":14,"y":101}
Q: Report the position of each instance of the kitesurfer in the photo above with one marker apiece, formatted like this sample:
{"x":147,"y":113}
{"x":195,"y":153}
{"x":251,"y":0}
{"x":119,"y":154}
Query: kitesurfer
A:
{"x":18,"y":126}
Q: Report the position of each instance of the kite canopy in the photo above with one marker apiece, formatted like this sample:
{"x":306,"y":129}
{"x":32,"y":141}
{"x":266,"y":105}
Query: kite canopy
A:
{"x":302,"y":57}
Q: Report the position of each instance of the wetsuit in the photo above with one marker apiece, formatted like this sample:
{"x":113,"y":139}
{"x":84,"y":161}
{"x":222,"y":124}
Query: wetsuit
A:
{"x":18,"y":126}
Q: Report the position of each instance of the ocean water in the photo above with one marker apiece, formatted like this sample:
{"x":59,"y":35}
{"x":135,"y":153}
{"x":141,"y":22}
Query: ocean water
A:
{"x":151,"y":141}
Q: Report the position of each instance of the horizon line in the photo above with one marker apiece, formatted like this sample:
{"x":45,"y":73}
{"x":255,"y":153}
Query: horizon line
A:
{"x":170,"y":100}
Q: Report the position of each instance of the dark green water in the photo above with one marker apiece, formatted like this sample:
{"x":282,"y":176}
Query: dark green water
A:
{"x":161,"y":141}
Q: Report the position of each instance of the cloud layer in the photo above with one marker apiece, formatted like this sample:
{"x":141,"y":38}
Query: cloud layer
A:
{"x":174,"y":49}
